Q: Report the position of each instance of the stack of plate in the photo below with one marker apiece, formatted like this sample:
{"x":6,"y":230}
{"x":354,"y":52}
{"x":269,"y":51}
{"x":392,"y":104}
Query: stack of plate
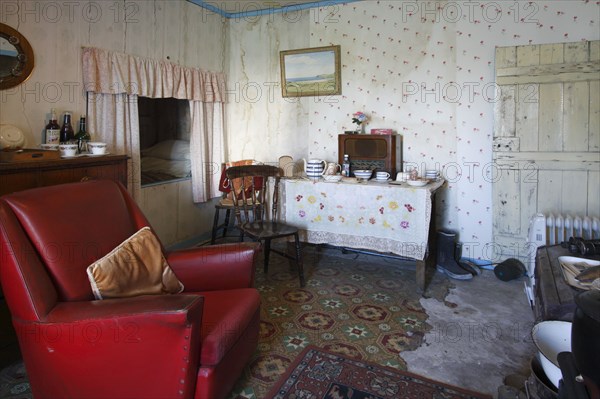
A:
{"x":432,"y":174}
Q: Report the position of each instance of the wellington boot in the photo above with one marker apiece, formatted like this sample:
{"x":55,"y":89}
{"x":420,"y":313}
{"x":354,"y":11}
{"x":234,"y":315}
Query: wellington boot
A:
{"x":464,"y":263}
{"x":470,"y":267}
{"x":446,"y":263}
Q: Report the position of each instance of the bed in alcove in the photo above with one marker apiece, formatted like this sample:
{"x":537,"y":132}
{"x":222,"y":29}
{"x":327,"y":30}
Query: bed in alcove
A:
{"x":164,"y":140}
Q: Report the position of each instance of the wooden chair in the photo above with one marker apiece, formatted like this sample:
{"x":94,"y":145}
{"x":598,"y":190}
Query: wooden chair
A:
{"x":254,"y":219}
{"x":226,"y":202}
{"x":221,"y":205}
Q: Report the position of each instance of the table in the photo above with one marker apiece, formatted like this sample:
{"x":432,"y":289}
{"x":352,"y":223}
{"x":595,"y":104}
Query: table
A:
{"x":374,"y":216}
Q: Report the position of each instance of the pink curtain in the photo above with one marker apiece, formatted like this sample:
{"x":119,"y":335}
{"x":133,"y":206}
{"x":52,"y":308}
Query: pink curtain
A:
{"x":110,"y":72}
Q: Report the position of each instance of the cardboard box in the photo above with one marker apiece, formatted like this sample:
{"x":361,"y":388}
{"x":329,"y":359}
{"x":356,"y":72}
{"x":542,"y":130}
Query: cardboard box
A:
{"x":382,"y":131}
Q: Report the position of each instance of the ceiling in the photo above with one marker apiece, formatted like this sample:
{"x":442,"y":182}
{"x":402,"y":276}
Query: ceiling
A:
{"x":237,"y":8}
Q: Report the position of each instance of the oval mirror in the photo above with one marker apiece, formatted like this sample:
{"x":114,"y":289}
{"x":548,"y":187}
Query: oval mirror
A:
{"x":16,"y":57}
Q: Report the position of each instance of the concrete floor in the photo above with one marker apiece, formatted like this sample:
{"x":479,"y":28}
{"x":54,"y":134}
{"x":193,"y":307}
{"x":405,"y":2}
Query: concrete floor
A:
{"x":481,"y":334}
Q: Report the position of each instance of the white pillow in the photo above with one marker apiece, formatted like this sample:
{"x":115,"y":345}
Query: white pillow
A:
{"x":171,"y":167}
{"x":169,"y":149}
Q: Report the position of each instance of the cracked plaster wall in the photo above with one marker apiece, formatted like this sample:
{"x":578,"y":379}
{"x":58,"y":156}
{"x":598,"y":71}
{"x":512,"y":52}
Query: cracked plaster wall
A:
{"x":417,"y":67}
{"x":176,"y":31}
{"x":424,"y":69}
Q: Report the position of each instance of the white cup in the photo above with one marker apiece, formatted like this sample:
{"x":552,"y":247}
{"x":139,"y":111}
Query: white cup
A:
{"x":67,"y":150}
{"x":382,"y":175}
{"x":402,"y":176}
{"x":96,"y":147}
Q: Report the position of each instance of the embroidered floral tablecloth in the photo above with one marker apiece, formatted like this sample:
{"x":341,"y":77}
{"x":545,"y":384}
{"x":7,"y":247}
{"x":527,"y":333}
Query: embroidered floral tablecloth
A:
{"x":369,"y":215}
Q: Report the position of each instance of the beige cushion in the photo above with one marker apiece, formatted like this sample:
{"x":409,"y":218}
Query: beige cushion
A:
{"x":136,"y":267}
{"x":229,"y":202}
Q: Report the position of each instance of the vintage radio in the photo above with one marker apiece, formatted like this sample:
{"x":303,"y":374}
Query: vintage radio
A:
{"x":367,"y":151}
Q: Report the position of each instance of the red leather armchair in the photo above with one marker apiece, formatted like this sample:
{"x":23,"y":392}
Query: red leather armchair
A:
{"x":189,"y":345}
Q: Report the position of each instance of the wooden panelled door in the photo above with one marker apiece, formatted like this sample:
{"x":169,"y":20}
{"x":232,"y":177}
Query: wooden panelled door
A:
{"x":546,"y":138}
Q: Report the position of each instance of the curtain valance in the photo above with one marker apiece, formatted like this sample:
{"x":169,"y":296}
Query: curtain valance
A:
{"x":110,"y":72}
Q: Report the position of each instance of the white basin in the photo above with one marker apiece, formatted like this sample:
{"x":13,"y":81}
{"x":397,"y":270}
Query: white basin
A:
{"x":551,"y":338}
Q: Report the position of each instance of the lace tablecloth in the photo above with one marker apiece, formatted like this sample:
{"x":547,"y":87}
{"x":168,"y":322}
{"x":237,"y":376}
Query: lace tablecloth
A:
{"x":368,"y":215}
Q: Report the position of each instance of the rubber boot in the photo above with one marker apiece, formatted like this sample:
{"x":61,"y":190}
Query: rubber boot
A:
{"x":465,"y":264}
{"x":446,"y":242}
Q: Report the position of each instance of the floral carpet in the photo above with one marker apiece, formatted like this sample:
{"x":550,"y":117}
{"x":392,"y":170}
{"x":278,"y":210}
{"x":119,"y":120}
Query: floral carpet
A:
{"x":360,"y":306}
{"x":319,"y":374}
{"x":14,"y":383}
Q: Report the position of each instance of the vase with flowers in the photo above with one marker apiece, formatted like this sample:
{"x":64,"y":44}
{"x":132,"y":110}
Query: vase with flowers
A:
{"x":359,"y":118}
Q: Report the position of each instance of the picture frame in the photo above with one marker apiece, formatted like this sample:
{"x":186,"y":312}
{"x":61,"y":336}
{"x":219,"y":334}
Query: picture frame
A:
{"x":312,"y":71}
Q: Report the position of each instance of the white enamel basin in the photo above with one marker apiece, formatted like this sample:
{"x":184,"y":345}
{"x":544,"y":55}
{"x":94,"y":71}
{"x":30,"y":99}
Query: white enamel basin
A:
{"x":551,"y":338}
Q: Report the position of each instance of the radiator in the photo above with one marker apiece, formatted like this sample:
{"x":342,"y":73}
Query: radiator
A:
{"x":560,"y":228}
{"x":552,"y":229}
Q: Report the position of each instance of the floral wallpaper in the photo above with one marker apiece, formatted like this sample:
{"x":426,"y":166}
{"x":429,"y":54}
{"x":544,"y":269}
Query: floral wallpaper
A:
{"x":422,"y":68}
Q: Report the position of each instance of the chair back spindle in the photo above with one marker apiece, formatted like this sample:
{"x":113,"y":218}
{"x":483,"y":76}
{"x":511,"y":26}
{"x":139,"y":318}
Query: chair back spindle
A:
{"x":250,"y":186}
{"x":275,"y":207}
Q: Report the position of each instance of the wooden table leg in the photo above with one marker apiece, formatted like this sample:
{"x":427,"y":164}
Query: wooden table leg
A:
{"x":421,"y":267}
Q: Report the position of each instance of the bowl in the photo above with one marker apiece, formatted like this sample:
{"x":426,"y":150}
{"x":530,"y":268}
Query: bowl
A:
{"x":96,"y":147}
{"x":332,"y":178}
{"x":11,"y":137}
{"x":363,"y":174}
{"x":417,"y":183}
{"x":51,"y":147}
{"x":538,"y":384}
{"x":551,"y":338}
{"x":67,"y":150}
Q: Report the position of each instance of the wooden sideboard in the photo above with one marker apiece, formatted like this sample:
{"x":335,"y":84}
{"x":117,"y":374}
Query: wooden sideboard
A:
{"x":18,"y":176}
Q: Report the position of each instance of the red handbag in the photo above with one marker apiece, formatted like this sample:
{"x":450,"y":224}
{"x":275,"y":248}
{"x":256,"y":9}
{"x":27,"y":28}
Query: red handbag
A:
{"x":225,"y":185}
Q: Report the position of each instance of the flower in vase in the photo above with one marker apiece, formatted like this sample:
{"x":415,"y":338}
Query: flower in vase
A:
{"x":358,"y":118}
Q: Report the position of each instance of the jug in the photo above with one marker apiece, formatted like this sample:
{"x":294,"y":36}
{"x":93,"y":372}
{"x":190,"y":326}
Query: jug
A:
{"x":314,"y":167}
{"x":332,"y":168}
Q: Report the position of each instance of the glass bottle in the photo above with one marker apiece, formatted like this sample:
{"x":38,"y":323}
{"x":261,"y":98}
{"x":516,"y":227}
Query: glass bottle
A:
{"x":346,"y":166}
{"x":52,"y":129}
{"x":66,"y":130}
{"x":82,"y":136}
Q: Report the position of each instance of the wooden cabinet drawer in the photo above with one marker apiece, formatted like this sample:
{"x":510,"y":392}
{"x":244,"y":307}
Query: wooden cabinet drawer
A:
{"x":18,"y":176}
{"x":17,"y":182}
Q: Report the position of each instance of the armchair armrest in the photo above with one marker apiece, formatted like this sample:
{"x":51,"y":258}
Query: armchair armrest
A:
{"x":215,"y":267}
{"x":112,"y":346}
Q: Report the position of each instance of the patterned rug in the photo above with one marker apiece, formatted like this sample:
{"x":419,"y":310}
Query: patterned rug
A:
{"x":14,"y":383}
{"x":361,"y":306}
{"x":323,"y":375}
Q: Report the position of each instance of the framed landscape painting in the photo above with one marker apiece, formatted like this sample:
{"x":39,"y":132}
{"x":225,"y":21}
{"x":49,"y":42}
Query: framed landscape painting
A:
{"x":311,"y":72}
